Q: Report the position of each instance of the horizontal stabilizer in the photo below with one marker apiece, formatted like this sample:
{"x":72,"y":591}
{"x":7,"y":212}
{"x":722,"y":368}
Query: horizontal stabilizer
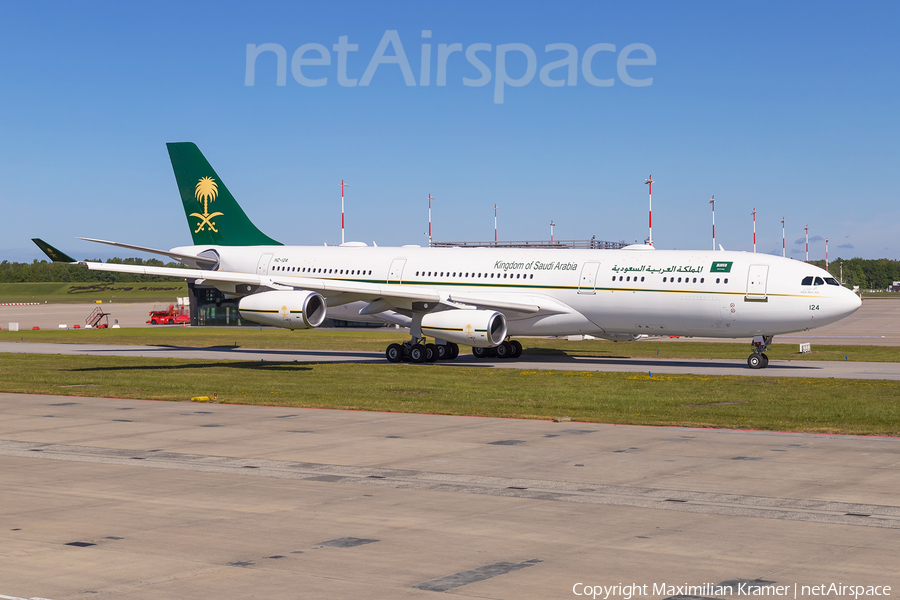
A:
{"x":52,"y":253}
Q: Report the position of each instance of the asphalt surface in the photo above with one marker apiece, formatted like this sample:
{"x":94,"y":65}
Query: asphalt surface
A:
{"x":52,"y":316}
{"x":876,"y":323}
{"x":117,"y":498}
{"x":776,"y":368}
{"x":127,"y":499}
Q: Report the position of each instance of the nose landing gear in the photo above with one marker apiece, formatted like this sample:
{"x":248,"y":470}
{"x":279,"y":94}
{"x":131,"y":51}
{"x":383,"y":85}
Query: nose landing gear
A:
{"x":758,"y":360}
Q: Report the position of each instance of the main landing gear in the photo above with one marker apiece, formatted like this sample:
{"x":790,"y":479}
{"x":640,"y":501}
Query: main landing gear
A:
{"x":758,"y":360}
{"x":508,"y":349}
{"x":417,"y":351}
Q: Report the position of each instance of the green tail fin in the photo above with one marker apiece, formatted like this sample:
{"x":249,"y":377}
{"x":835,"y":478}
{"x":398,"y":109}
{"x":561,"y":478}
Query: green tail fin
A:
{"x":212,"y":212}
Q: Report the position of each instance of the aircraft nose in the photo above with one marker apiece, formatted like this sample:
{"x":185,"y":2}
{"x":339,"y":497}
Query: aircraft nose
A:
{"x":850,"y":303}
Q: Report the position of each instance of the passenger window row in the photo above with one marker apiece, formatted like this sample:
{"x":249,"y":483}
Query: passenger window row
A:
{"x":472,"y":275}
{"x":323,"y":270}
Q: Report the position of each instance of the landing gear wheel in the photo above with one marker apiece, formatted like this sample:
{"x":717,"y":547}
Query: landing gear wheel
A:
{"x":765,"y":361}
{"x":755,"y":361}
{"x":479,"y":352}
{"x":454,"y":350}
{"x":417,"y":353}
{"x":431,"y":353}
{"x":394,"y":353}
{"x":504,"y":350}
{"x":443,"y":351}
{"x":516,"y":349}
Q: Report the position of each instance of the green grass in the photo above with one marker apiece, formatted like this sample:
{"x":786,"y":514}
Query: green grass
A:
{"x":56,"y":293}
{"x":377,"y":340}
{"x":782,"y":404}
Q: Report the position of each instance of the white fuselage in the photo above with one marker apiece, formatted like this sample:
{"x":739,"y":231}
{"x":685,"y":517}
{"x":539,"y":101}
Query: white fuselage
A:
{"x":633,"y":291}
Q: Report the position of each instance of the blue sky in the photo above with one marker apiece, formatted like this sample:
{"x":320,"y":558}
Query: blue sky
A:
{"x":780,"y":107}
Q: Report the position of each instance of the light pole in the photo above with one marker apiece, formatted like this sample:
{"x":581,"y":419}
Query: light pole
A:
{"x":782,"y":237}
{"x":713,"y":202}
{"x":495,"y":224}
{"x":754,"y":230}
{"x":649,"y":183}
{"x":826,"y":254}
{"x":343,"y":185}
{"x":551,"y":232}
{"x":430,"y":198}
{"x":807,"y":243}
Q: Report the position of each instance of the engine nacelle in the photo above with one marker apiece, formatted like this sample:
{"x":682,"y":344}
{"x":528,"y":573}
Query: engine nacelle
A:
{"x":478,"y":328}
{"x":288,"y":309}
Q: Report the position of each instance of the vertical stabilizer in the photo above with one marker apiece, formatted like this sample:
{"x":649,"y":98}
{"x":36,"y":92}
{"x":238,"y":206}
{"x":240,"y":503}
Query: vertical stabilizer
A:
{"x":212,"y":212}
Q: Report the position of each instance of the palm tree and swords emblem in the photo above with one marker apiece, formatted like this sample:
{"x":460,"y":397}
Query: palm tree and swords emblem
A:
{"x":206,"y":189}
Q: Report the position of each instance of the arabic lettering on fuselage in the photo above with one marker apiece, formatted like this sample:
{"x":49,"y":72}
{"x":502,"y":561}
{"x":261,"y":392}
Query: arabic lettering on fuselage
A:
{"x":658,"y":270}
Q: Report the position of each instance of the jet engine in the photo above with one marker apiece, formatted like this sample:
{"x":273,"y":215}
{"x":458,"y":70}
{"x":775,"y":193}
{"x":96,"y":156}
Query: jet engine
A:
{"x":288,"y":309}
{"x":477,"y":328}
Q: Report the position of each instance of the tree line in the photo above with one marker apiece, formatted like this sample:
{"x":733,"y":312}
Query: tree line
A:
{"x":868,"y":274}
{"x":40,"y":271}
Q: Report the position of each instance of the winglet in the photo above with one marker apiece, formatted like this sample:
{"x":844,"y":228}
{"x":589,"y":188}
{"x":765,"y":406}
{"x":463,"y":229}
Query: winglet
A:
{"x":52,"y":253}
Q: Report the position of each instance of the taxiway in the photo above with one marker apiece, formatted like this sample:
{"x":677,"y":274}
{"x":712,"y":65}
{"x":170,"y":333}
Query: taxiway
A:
{"x":116,"y":498}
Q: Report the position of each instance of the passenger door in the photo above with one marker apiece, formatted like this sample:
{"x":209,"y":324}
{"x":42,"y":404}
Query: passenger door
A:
{"x":263,"y":267}
{"x":756,"y":283}
{"x":588,"y":282}
{"x":395,"y":275}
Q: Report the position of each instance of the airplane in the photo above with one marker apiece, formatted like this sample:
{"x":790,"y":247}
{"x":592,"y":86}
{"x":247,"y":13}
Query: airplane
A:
{"x":482,"y":297}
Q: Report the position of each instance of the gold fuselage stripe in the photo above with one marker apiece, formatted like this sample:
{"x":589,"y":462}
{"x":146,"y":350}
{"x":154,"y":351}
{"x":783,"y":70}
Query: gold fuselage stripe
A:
{"x":585,"y":291}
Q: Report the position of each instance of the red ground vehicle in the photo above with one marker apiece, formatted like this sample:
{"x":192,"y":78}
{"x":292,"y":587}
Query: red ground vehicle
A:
{"x":169,"y":315}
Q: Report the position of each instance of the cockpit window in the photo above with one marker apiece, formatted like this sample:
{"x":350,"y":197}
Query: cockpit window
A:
{"x":819,"y":281}
{"x":831,"y":281}
{"x":807,"y":281}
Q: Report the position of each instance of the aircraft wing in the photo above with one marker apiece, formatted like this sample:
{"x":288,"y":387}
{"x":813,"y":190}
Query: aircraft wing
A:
{"x":525,"y":304}
{"x":326,"y":287}
{"x":175,"y":255}
{"x":530,"y":305}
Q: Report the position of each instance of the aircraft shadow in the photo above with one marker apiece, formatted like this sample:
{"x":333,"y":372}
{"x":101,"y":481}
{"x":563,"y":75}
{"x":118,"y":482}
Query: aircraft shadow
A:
{"x":652,"y":362}
{"x":257,"y":351}
{"x":269,"y":366}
